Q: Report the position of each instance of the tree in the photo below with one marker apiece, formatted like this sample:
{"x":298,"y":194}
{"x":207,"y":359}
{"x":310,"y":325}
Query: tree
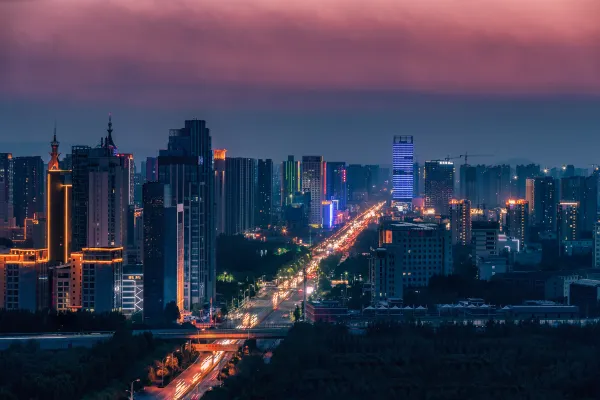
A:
{"x":297,"y":313}
{"x":171,"y":312}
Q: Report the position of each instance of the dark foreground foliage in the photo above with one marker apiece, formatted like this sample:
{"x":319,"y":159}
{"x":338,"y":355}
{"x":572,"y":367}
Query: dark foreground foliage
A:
{"x":101,"y":372}
{"x":416,"y":362}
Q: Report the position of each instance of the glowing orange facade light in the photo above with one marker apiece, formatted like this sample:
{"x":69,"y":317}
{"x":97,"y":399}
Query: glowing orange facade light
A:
{"x":219,"y":154}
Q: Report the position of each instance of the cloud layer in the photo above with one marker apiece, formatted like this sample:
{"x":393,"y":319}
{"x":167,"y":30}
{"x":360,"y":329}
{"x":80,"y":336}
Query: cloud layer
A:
{"x":165,"y":53}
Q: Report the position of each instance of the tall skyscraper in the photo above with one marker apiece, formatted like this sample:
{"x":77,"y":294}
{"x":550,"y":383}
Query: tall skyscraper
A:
{"x":313,"y":175}
{"x":264,"y":193}
{"x":567,"y":222}
{"x":439,"y":185}
{"x":129,"y":167}
{"x":240,"y":189}
{"x":522,"y":173}
{"x":357,"y":182}
{"x":517,"y":220}
{"x":402,"y":162}
{"x":187,"y":167}
{"x":80,"y":196}
{"x":542,"y":197}
{"x":276,"y":190}
{"x":28,"y":182}
{"x":372,"y":178}
{"x":460,"y":221}
{"x":219,"y":156}
{"x":58,"y":214}
{"x":163,"y":251}
{"x":290,"y":180}
{"x":468,"y":184}
{"x":6,"y":191}
{"x":151,"y":170}
{"x":583,"y":190}
{"x":336,"y":183}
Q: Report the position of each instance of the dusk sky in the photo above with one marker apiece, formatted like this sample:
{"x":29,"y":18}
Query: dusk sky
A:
{"x":519,"y":79}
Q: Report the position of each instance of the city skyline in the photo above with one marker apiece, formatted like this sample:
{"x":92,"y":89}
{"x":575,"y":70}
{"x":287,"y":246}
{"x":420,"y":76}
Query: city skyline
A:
{"x":496,"y":76}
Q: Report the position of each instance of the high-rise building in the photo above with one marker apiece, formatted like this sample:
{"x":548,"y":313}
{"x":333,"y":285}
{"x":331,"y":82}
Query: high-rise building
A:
{"x":290,"y":180}
{"x":163,"y":251}
{"x":240,"y":190}
{"x":58,"y":206}
{"x":28,"y":195}
{"x":468,"y":184}
{"x":439,"y":185}
{"x":460,"y":221}
{"x":264,"y":193}
{"x":567,"y":221}
{"x":101,"y":278}
{"x":276,"y":190}
{"x":313,"y":176}
{"x":80,"y":196}
{"x":541,"y":193}
{"x":522,"y":173}
{"x":517,"y":220}
{"x":403,"y":164}
{"x":129,"y":167}
{"x":417,"y":251}
{"x":336,"y":183}
{"x":357,"y":182}
{"x":484,"y":239}
{"x":187,"y":167}
{"x":583,"y":190}
{"x":219,"y":156}
{"x":151,"y":170}
{"x":6,"y":192}
{"x":372,"y":171}
{"x":24,"y":276}
{"x":495,"y":185}
{"x":66,"y":284}
{"x":386,"y":277}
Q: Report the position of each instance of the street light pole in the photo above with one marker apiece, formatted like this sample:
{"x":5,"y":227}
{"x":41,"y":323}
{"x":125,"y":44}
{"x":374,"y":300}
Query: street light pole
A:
{"x":131,"y":389}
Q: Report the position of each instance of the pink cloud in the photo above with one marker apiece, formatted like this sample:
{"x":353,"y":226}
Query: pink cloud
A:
{"x":206,"y":51}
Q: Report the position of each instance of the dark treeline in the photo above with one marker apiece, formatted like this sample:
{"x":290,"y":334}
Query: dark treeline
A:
{"x":391,"y":361}
{"x":101,"y":372}
{"x":22,"y":321}
{"x":242,"y":257}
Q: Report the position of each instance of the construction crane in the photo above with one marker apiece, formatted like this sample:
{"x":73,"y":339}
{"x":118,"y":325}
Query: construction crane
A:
{"x":466,"y":156}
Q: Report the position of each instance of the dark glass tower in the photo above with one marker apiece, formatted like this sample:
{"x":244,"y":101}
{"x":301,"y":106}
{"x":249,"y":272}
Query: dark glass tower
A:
{"x":264,"y":193}
{"x":290,"y":180}
{"x":187,"y":166}
{"x":28,"y":192}
{"x":439,"y":185}
{"x":336,"y":183}
{"x":240,"y":190}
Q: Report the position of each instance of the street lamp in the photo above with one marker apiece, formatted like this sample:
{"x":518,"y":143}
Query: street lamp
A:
{"x":131,"y":388}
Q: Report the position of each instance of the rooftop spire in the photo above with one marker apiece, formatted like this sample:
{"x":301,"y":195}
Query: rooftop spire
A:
{"x":109,"y":140}
{"x":53,"y":164}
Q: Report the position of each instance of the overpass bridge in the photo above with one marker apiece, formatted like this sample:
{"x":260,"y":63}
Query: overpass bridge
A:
{"x":251,"y":333}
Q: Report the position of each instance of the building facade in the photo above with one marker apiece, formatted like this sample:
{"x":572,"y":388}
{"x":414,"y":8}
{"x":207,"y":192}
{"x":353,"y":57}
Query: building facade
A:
{"x":264,"y":193}
{"x":439,"y":185}
{"x":240,"y":191}
{"x":403,"y":155}
{"x":517,"y":220}
{"x":313,"y":181}
{"x":460,"y":221}
{"x":28,"y":195}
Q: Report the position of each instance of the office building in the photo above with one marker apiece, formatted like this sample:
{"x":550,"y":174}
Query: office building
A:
{"x":58,"y":209}
{"x":522,"y":173}
{"x":133,"y":289}
{"x":468,"y":184}
{"x":373,"y":184}
{"x":219,"y":156}
{"x":66,"y":284}
{"x":24,"y":280}
{"x":484,"y":236}
{"x":567,"y":221}
{"x":151,"y":169}
{"x":291,"y":180}
{"x":583,"y":190}
{"x":496,"y":185}
{"x":517,"y":220}
{"x":336,"y":188}
{"x":129,"y":169}
{"x":439,"y":185}
{"x":357,"y":178}
{"x":28,"y":194}
{"x":460,"y":221}
{"x":542,"y":196}
{"x":187,"y":167}
{"x":328,"y":214}
{"x":163,"y":251}
{"x":80,"y":194}
{"x":7,"y":220}
{"x":313,"y":175}
{"x":101,"y":278}
{"x":264,"y":194}
{"x":418,"y":251}
{"x":386,"y":277}
{"x":240,"y":191}
{"x":403,"y":169}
